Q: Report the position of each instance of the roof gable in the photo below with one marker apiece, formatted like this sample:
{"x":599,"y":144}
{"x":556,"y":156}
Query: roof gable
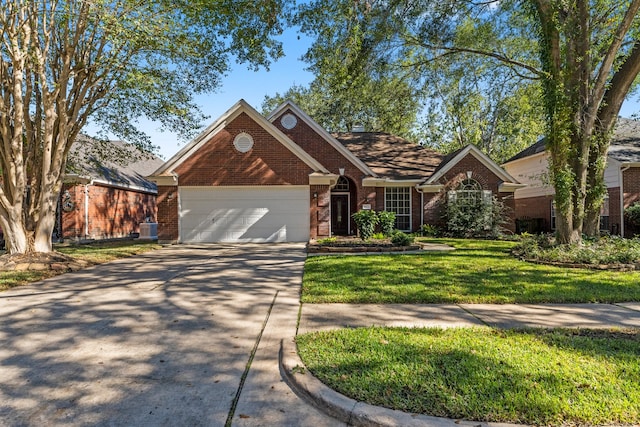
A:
{"x":452,"y":159}
{"x":290,"y":105}
{"x":240,"y":107}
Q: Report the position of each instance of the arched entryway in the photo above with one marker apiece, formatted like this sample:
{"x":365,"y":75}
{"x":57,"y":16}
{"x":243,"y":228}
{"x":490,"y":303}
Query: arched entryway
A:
{"x":342,"y":200}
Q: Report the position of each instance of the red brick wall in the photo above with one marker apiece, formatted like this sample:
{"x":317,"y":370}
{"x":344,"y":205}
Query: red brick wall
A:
{"x":333,"y":160}
{"x":217,"y":162}
{"x":167,"y":214}
{"x":631,"y":183}
{"x":536,"y":207}
{"x":73,"y":225}
{"x":540,"y":207}
{"x":113,"y":212}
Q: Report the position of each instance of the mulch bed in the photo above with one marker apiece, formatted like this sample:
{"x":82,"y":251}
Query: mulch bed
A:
{"x":355,"y":245}
{"x":612,"y":267}
{"x":54,"y":261}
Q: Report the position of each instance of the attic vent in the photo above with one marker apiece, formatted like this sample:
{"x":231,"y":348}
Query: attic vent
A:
{"x":357,"y":128}
{"x":289,"y":121}
{"x":243,"y":142}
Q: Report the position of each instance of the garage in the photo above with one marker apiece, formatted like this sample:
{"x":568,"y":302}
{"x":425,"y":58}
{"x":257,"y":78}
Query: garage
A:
{"x":244,"y":214}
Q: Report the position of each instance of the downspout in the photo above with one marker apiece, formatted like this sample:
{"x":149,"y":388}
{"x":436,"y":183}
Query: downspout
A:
{"x":622,"y":199}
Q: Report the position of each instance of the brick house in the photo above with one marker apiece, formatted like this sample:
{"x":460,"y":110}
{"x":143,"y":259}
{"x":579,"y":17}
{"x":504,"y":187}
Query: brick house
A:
{"x":103,"y":199}
{"x":247,"y":177}
{"x":534,"y":208}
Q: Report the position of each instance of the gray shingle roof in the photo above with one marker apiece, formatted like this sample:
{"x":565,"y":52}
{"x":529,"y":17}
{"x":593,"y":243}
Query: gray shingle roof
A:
{"x":390,"y":156}
{"x":625,"y":145}
{"x":113,"y":162}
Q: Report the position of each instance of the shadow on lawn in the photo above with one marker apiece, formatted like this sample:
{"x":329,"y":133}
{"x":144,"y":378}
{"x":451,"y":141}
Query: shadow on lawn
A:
{"x":544,"y":381}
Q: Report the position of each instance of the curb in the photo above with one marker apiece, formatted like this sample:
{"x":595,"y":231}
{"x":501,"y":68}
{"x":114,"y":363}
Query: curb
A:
{"x":348,"y":410}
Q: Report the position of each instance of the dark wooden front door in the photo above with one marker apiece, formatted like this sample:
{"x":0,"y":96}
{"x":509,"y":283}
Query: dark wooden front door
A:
{"x":339,"y":214}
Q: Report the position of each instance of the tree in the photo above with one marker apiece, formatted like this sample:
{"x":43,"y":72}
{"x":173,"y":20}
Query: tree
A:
{"x":472,"y":101}
{"x":590,"y":60}
{"x":63,"y":63}
{"x":586,"y":56}
{"x":382,"y":105}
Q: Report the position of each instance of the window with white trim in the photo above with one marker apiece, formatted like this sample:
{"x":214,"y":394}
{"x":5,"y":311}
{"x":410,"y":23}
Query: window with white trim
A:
{"x":398,"y":201}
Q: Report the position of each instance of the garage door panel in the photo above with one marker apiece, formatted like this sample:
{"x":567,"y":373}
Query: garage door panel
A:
{"x":265,"y":214}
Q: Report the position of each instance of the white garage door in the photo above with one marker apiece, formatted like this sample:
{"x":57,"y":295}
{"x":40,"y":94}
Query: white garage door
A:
{"x":244,"y":214}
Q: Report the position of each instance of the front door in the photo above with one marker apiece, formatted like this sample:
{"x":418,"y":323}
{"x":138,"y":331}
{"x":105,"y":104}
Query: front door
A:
{"x":339,"y":214}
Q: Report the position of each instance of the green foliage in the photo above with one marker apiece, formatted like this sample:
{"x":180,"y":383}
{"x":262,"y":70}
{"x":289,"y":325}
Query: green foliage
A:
{"x":605,"y":250}
{"x":378,"y":236}
{"x":429,"y":230}
{"x":475,"y":217}
{"x":366,"y":221}
{"x":387,"y":222}
{"x":379,"y":104}
{"x":633,"y":214}
{"x":401,"y":239}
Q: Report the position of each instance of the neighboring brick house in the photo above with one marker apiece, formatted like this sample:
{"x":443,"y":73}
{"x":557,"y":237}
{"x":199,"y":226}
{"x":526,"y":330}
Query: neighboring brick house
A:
{"x":534,"y":203}
{"x":103,"y":199}
{"x":285,"y":178}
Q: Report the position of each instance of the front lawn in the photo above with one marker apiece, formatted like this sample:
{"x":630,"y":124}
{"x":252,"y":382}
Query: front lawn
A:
{"x":533,"y":376}
{"x":478,"y":271}
{"x":94,"y":253}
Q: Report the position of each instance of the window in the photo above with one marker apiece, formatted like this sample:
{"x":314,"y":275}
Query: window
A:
{"x":470,"y":201}
{"x":342,"y":185}
{"x":398,"y":200}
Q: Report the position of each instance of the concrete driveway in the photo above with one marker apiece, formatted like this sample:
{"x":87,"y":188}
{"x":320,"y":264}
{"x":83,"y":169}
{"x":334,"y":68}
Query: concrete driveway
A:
{"x":162,"y":339}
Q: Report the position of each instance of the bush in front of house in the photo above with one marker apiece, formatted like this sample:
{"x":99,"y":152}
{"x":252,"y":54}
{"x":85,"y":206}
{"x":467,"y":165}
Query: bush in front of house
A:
{"x":387,"y":222}
{"x":475,"y":218}
{"x":606,"y":250}
{"x":401,"y":239}
{"x":366,"y":221}
{"x":633,"y":214}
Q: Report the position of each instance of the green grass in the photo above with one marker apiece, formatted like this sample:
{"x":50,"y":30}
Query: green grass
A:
{"x":94,"y":253}
{"x":536,"y":377}
{"x":478,"y":271}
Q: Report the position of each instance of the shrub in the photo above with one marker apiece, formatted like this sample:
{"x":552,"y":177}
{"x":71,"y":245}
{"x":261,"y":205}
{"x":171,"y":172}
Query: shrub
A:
{"x":475,"y":217}
{"x":429,"y":230}
{"x":605,"y":250}
{"x":387,"y":222}
{"x":327,"y":240}
{"x":633,"y":214}
{"x":378,"y":236}
{"x":401,"y":239}
{"x":366,"y":221}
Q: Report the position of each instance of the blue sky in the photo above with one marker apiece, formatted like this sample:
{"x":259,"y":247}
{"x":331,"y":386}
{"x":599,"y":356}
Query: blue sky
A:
{"x":252,"y":86}
{"x":242,"y":83}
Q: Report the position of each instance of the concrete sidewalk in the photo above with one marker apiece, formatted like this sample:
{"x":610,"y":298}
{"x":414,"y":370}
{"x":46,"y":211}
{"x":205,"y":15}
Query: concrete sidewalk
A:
{"x":315,"y":317}
{"x":330,"y":316}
